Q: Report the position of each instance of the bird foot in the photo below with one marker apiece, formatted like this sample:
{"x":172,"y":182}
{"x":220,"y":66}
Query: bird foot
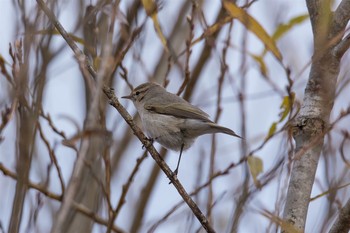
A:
{"x":151,"y":140}
{"x":174,"y":175}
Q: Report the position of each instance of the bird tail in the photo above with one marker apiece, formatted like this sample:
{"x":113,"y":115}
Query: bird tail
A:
{"x":220,"y":129}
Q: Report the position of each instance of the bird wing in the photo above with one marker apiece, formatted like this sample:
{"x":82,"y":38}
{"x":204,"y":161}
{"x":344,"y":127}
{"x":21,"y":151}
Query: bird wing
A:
{"x":181,"y":110}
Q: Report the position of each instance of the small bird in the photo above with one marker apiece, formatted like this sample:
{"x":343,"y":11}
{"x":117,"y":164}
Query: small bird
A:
{"x":170,"y":120}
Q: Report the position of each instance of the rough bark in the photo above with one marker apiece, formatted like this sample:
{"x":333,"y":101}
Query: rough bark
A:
{"x":342,"y":224}
{"x":312,"y":123}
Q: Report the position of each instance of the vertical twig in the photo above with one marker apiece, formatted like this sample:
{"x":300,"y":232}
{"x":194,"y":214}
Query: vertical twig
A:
{"x":188,"y":50}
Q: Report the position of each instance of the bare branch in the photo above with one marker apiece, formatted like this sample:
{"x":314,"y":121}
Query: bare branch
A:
{"x":125,"y":191}
{"x":41,"y":189}
{"x":82,"y":209}
{"x":188,"y":49}
{"x":52,"y":156}
{"x":341,"y":18}
{"x":342,"y":47}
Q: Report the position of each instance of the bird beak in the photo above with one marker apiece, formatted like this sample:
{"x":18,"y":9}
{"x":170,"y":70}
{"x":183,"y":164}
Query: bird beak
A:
{"x":127,"y":97}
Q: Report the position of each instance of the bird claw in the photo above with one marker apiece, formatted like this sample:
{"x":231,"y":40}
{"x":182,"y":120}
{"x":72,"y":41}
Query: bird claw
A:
{"x":151,"y":140}
{"x":174,"y":175}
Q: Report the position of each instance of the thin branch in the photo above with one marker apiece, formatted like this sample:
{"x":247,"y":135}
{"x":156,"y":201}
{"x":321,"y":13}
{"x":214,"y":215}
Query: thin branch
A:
{"x":7,"y":115}
{"x":341,"y":18}
{"x":188,"y":49}
{"x":4,"y":71}
{"x":125,"y":191}
{"x":124,"y":75}
{"x":224,"y":172}
{"x":99,"y":182}
{"x":329,"y":191}
{"x":82,"y":209}
{"x":38,"y":187}
{"x":342,"y":47}
{"x":146,"y":194}
{"x":92,"y":215}
{"x":223,"y":71}
{"x":53,"y":127}
{"x":77,"y":52}
{"x":342,"y":146}
{"x":52,"y":156}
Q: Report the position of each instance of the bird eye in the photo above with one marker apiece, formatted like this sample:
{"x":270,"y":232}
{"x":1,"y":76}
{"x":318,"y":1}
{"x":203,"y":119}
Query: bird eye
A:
{"x":137,"y":93}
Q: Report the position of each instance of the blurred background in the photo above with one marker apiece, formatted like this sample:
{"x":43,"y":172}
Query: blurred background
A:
{"x":52,"y":112}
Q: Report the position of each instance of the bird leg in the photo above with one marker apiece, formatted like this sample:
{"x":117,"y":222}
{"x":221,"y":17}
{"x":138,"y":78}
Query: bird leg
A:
{"x":178,"y":162}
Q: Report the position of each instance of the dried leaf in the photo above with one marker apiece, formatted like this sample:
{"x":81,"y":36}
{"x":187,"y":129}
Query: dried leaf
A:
{"x":212,"y":29}
{"x":256,"y":167}
{"x":284,"y":28}
{"x":3,"y":61}
{"x":261,"y":62}
{"x":150,"y":7}
{"x":55,"y":32}
{"x":272,"y":130}
{"x":285,"y":225}
{"x":254,"y":26}
{"x":286,"y":106}
{"x":151,"y":10}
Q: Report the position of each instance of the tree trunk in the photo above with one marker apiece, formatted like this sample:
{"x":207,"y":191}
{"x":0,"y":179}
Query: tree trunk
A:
{"x":312,"y":123}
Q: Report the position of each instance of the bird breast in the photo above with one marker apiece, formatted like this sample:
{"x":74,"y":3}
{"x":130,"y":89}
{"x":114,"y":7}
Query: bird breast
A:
{"x":166,"y":130}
